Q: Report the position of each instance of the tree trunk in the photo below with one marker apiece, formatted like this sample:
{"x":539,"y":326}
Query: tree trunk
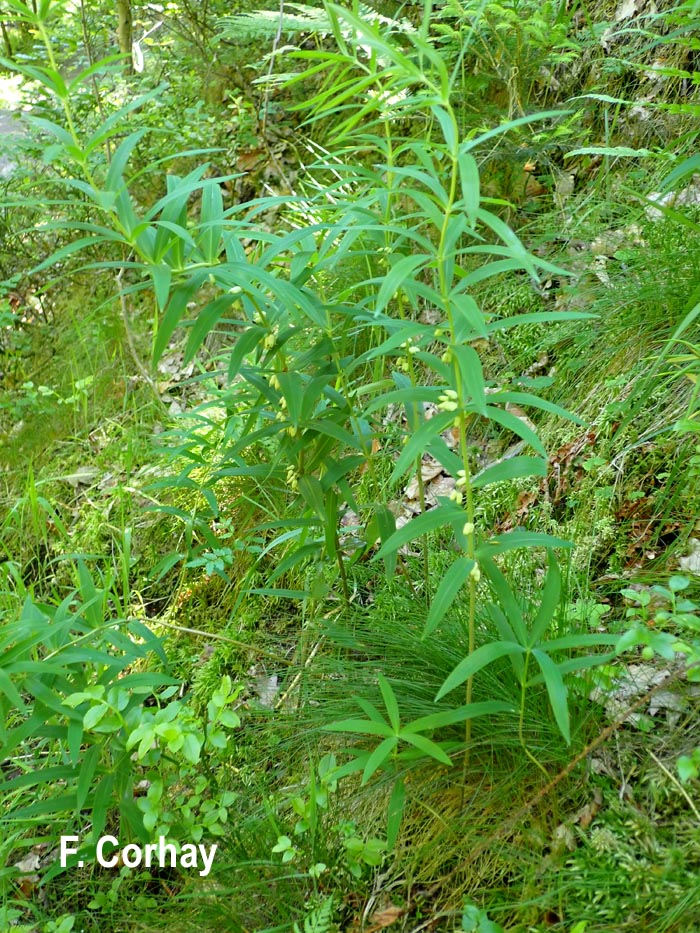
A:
{"x":125,"y":33}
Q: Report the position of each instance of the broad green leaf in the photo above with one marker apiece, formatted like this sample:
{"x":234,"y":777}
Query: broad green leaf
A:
{"x":452,"y":581}
{"x":162,"y":277}
{"x":509,"y":421}
{"x":206,"y":321}
{"x":419,"y":441}
{"x":244,"y":344}
{"x":567,"y":642}
{"x":557,"y":691}
{"x":103,"y":801}
{"x":386,"y":527}
{"x":74,"y":736}
{"x":469,"y":320}
{"x":479,"y":659}
{"x":513,"y":468}
{"x":430,"y":181}
{"x":577,"y":664}
{"x":211,"y":221}
{"x":471,"y":375}
{"x":94,"y":716}
{"x":506,"y":127}
{"x":54,"y":129}
{"x":533,"y":401}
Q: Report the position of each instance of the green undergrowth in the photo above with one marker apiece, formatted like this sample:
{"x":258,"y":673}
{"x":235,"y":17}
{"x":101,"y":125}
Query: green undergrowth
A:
{"x":210,"y":503}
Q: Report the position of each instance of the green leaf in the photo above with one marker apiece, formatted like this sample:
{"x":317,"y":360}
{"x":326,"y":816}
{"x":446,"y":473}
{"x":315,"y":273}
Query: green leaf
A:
{"x":513,"y":468}
{"x":451,"y":583}
{"x":386,"y":527}
{"x":427,"y":746}
{"x":177,"y":305}
{"x":688,"y":768}
{"x":86,"y":774}
{"x":94,"y":716}
{"x":245,"y":344}
{"x":534,"y":401}
{"x":114,"y":180}
{"x":479,"y":659}
{"x":509,"y":421}
{"x":419,"y":440}
{"x":370,"y":710}
{"x":11,"y":692}
{"x":441,"y":515}
{"x":469,"y":179}
{"x":478,"y":141}
{"x":452,"y":716}
{"x":312,"y":491}
{"x":395,"y":810}
{"x":448,"y":127}
{"x":506,"y":597}
{"x":581,"y":641}
{"x":611,"y":151}
{"x":471,"y":376}
{"x":401,"y":270}
{"x":550,"y":601}
{"x":54,"y":129}
{"x":379,"y":756}
{"x":469,"y":321}
{"x":162,"y":277}
{"x":392,"y":707}
{"x":519,"y":538}
{"x":557,"y":692}
{"x":191,"y":747}
{"x":359,"y":726}
{"x":211,"y":221}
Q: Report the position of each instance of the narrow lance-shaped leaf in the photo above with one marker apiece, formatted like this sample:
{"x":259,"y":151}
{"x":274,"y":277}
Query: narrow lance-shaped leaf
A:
{"x":392,"y":707}
{"x":513,"y":468}
{"x":395,"y":812}
{"x":450,"y":585}
{"x":438,"y":517}
{"x":471,"y":375}
{"x":428,"y":747}
{"x":549,"y":603}
{"x":557,"y":691}
{"x":478,"y":659}
{"x":520,"y":537}
{"x":379,"y":756}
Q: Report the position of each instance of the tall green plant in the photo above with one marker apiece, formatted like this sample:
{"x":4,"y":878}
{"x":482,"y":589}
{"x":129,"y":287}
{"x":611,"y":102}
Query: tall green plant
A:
{"x":323,"y":350}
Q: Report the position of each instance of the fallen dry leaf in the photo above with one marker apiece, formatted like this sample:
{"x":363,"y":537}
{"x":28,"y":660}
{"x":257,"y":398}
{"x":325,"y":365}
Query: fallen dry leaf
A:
{"x":381,"y":919}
